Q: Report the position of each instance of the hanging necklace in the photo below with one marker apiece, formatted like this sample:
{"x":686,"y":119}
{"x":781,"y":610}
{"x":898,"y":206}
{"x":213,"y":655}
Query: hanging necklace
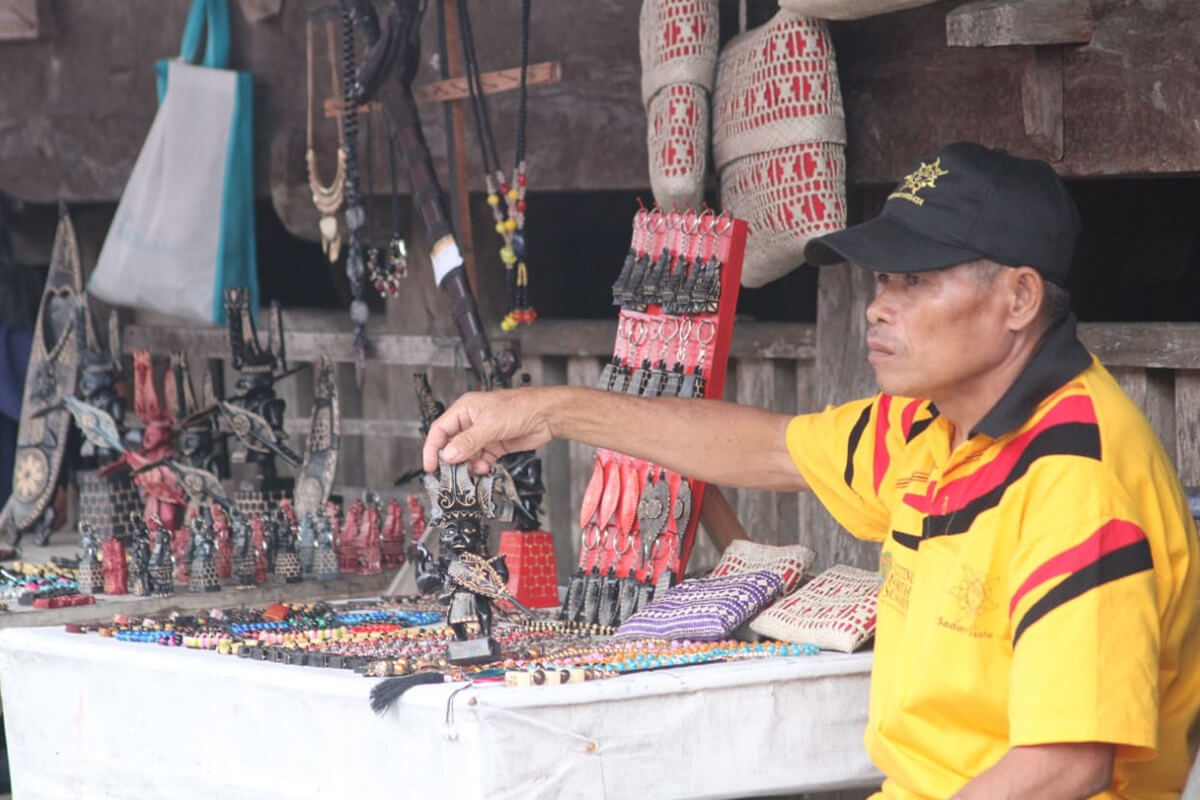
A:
{"x":509,"y":220}
{"x":387,"y":267}
{"x":327,"y":198}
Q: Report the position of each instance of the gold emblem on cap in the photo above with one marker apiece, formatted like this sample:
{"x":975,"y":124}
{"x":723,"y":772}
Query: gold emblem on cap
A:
{"x":923,"y":177}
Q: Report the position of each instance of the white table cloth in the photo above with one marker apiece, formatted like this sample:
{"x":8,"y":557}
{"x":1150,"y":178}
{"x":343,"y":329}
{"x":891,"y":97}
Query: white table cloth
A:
{"x":96,"y":718}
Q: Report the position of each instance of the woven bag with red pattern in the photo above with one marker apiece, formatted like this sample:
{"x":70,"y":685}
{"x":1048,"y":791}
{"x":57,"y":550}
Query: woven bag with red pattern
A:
{"x":779,"y":137}
{"x":679,"y":60}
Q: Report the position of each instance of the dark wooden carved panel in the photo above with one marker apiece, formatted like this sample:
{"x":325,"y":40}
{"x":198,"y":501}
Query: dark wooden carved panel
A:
{"x":77,"y":104}
{"x":1131,"y":98}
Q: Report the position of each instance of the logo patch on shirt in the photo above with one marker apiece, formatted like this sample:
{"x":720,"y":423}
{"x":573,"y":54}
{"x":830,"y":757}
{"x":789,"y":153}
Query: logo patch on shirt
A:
{"x":974,"y":595}
{"x":895,"y":582}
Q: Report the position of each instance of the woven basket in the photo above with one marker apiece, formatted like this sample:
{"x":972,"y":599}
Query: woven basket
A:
{"x":678,"y":40}
{"x":835,"y":611}
{"x":789,"y":562}
{"x":848,"y":9}
{"x":779,"y":138}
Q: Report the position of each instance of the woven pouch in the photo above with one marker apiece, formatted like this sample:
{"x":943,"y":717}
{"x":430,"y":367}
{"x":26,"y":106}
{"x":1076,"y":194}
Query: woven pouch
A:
{"x":789,"y":562}
{"x":848,"y":9}
{"x":705,"y":609}
{"x":835,"y":611}
{"x":678,"y":43}
{"x":779,"y":137}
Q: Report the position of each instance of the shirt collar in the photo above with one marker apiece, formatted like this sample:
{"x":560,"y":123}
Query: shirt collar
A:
{"x":1058,"y":359}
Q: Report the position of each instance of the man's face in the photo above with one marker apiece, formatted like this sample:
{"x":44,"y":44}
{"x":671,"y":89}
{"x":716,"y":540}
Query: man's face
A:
{"x":930,"y":334}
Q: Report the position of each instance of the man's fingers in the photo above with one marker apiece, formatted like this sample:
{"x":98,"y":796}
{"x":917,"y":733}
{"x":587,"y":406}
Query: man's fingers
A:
{"x":435,"y":441}
{"x":460,"y":448}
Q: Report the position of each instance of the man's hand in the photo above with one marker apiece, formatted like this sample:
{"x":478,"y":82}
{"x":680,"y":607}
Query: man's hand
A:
{"x":483,"y":426}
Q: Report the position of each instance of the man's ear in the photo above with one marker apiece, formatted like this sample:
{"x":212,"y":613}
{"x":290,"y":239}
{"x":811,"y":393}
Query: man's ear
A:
{"x":1027,"y":294}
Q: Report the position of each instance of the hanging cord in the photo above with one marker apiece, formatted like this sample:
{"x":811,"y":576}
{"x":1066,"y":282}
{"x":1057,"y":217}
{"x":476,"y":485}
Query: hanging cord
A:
{"x":509,"y":219}
{"x":355,"y":266}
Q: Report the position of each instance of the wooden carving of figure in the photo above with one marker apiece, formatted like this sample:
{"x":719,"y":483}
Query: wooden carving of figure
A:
{"x":116,"y":571}
{"x":139,"y":556}
{"x":162,"y":560}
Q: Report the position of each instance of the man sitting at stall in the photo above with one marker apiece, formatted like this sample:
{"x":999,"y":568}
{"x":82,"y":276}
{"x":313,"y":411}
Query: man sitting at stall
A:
{"x":1039,"y":617}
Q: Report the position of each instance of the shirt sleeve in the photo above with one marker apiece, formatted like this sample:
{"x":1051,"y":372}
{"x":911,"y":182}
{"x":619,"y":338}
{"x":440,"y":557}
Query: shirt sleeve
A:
{"x":845,"y":454}
{"x":1084,"y":623}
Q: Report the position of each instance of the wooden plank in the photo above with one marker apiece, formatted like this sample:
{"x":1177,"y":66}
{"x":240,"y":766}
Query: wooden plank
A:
{"x":581,"y":371}
{"x":1173,"y":345}
{"x":557,"y":511}
{"x":1127,"y":89}
{"x":260,"y":10}
{"x":989,"y":23}
{"x":1153,"y":391}
{"x":383,"y":348}
{"x":19,"y":19}
{"x":543,"y":73}
{"x":1187,"y":426}
{"x":589,"y":338}
{"x":1042,"y":99}
{"x":842,"y":374}
{"x":757,"y":510}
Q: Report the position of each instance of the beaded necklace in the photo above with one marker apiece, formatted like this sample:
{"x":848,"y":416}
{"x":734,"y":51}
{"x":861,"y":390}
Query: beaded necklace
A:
{"x":326,"y":197}
{"x":509,"y":221}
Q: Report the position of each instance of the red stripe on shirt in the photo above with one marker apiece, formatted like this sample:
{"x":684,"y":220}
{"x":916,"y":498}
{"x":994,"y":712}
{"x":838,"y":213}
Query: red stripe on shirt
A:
{"x":956,"y":494}
{"x":1110,"y":536}
{"x":882,"y":423}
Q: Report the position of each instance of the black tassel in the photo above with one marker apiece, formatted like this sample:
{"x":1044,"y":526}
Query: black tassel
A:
{"x":387,"y":692}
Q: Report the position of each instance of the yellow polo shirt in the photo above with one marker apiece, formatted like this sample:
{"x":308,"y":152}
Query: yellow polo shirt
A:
{"x":1041,"y":583}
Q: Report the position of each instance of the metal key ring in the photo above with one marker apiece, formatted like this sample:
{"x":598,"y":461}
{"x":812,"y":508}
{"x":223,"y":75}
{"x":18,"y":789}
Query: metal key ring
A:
{"x":641,"y":331}
{"x":711,"y":326}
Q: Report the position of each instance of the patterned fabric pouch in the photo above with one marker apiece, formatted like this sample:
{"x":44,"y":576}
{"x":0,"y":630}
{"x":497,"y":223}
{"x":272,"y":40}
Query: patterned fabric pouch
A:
{"x":789,"y":562}
{"x":835,"y":611}
{"x":706,"y":609}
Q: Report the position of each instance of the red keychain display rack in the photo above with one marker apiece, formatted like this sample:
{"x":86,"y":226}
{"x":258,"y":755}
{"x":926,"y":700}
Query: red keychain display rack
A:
{"x":677,"y":291}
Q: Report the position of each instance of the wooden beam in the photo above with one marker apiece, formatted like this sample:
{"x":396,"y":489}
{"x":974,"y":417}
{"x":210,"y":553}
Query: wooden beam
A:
{"x":400,"y":428}
{"x":1042,"y":99}
{"x":395,"y":349}
{"x":260,"y":10}
{"x":19,"y":19}
{"x":1173,"y":345}
{"x":990,"y":23}
{"x":503,"y":80}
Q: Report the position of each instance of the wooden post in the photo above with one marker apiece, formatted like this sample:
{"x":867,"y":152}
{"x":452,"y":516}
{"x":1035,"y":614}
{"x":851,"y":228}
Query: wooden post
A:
{"x":458,"y":150}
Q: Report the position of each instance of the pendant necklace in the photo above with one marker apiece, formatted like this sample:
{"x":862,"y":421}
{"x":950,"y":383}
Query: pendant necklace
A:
{"x":509,"y":220}
{"x":386,"y":266}
{"x":327,"y":198}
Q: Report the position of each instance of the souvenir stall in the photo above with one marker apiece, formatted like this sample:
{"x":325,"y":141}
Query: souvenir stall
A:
{"x":241,"y":550}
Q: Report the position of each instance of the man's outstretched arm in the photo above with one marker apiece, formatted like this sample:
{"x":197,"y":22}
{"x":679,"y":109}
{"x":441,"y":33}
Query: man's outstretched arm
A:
{"x":1067,"y":771}
{"x":713,"y":441}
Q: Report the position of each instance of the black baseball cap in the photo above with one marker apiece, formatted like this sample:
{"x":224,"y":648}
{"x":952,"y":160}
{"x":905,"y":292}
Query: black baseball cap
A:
{"x":962,"y":203}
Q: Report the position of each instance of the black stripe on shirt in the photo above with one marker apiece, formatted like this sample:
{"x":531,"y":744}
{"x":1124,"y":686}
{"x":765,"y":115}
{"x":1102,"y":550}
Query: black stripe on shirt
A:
{"x":919,"y":426}
{"x":1127,"y":560}
{"x":1068,"y":439}
{"x":852,"y":444}
{"x":906,"y":540}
